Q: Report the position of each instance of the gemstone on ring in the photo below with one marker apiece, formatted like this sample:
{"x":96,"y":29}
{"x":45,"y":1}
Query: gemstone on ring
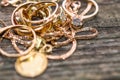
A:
{"x":76,"y":21}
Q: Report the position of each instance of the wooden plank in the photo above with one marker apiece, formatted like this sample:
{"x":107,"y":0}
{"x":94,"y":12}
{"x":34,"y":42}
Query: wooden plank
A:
{"x":94,"y":59}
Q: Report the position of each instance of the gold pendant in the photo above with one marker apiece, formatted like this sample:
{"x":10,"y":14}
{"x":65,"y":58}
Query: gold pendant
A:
{"x":32,"y":64}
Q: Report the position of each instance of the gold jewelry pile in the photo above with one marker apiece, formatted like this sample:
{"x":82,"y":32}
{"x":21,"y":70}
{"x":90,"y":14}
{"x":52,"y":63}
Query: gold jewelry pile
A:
{"x":39,"y":27}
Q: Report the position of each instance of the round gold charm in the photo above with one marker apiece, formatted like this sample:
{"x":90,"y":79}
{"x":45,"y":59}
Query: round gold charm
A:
{"x":33,"y":65}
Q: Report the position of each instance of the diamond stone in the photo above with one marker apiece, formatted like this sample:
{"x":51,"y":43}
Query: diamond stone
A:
{"x":76,"y":21}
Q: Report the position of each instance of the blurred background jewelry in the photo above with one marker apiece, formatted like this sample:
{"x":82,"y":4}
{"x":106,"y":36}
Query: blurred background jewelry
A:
{"x":12,"y":2}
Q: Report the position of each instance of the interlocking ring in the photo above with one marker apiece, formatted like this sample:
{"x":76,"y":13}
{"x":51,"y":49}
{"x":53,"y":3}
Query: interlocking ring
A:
{"x":72,"y":7}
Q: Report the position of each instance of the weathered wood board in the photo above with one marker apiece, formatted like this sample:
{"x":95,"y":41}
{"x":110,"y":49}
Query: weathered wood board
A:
{"x":96,"y":59}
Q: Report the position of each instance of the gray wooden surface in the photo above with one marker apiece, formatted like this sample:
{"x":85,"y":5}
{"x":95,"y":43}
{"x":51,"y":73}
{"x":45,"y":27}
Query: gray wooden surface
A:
{"x":96,"y":59}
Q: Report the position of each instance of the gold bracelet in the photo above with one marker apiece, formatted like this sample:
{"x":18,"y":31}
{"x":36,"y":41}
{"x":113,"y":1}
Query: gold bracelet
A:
{"x":21,"y":53}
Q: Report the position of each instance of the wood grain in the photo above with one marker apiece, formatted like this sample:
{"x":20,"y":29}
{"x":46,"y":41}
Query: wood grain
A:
{"x":96,"y":59}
